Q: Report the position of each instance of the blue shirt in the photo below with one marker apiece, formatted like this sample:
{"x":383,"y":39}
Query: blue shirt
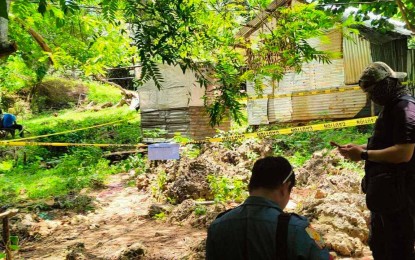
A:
{"x":248,"y":232}
{"x":8,"y":120}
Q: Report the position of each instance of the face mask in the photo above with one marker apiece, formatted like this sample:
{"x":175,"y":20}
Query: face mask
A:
{"x":385,"y":91}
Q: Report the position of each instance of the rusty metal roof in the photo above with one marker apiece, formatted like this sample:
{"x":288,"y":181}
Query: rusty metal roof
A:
{"x":255,"y":23}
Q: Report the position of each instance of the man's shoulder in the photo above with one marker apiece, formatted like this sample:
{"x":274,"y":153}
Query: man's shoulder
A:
{"x":299,"y":221}
{"x":404,"y":102}
{"x":7,"y":115}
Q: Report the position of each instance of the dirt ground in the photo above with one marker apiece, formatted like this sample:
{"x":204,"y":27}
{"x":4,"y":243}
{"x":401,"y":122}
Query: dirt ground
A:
{"x":120,"y":227}
{"x":117,"y":226}
{"x":119,"y":223}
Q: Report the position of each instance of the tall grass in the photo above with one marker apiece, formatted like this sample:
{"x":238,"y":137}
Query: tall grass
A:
{"x":43,"y":172}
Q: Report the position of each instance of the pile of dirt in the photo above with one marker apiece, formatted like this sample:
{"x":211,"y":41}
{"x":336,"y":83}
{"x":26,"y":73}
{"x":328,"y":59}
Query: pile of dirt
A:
{"x":335,"y":204}
{"x":118,"y":228}
{"x":57,"y":94}
{"x":327,"y":192}
{"x":167,"y":216}
{"x":187,"y":178}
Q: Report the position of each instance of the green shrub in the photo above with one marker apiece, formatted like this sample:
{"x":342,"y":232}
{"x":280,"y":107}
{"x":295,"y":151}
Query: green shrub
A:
{"x":159,"y":185}
{"x":136,"y":162}
{"x":200,"y":210}
{"x":100,"y":93}
{"x":225,"y":189}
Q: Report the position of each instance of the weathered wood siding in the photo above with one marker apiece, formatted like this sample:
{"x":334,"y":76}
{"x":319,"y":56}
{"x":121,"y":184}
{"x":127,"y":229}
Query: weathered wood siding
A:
{"x":170,"y":121}
{"x":199,"y":124}
{"x":176,"y":108}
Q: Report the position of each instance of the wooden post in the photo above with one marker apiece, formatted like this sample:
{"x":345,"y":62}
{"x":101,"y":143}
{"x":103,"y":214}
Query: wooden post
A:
{"x":6,"y":231}
{"x":6,"y":238}
{"x":24,"y":158}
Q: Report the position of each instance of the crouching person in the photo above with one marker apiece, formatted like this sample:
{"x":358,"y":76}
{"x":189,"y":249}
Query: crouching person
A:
{"x":8,"y":121}
{"x":258,"y":228}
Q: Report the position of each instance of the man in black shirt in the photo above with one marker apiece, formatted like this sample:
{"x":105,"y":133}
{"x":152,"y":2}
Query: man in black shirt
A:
{"x":389,"y":163}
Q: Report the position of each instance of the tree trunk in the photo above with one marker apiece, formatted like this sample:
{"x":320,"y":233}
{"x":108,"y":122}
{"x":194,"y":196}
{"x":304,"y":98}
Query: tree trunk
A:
{"x":35,"y":35}
{"x":6,"y":47}
{"x":128,"y":95}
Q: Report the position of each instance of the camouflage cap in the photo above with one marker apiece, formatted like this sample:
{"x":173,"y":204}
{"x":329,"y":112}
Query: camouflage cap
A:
{"x":378,"y":71}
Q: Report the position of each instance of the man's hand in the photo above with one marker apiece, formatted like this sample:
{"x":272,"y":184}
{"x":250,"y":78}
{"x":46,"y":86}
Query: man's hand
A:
{"x":398,"y":153}
{"x":351,"y":152}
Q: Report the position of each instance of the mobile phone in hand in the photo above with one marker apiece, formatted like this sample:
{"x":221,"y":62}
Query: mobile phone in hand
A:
{"x":335,"y":144}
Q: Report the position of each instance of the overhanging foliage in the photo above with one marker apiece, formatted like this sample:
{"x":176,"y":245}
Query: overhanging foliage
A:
{"x":192,"y":34}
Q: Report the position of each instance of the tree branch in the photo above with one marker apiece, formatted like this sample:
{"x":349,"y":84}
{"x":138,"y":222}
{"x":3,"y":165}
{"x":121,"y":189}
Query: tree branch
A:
{"x":36,"y":36}
{"x":128,"y":95}
{"x":405,"y":15}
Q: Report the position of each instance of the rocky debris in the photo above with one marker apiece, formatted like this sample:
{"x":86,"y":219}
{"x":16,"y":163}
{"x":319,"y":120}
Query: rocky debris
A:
{"x":187,"y":178}
{"x":156,"y":209}
{"x":76,"y":252}
{"x":262,"y":148}
{"x":191,"y":181}
{"x":203,"y":220}
{"x":142,"y":181}
{"x":32,"y":226}
{"x":78,"y":219}
{"x":182,"y":211}
{"x":45,"y":228}
{"x":324,"y":171}
{"x":341,"y":219}
{"x":22,"y":224}
{"x":344,"y":245}
{"x":133,"y":252}
{"x":198,"y":250}
{"x":335,"y":204}
{"x":327,"y":191}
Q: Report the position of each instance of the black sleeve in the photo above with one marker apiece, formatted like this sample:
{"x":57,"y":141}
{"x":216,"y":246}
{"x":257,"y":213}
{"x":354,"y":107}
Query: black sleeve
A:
{"x":404,"y":123}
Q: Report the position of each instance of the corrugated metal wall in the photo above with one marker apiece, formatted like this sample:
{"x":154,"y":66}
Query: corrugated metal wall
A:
{"x":394,"y":53}
{"x":328,"y":106}
{"x":188,"y":121}
{"x":169,"y":120}
{"x":315,"y":76}
{"x":258,"y":111}
{"x":199,"y":124}
{"x":356,"y":55}
{"x":176,"y":108}
{"x":280,"y":109}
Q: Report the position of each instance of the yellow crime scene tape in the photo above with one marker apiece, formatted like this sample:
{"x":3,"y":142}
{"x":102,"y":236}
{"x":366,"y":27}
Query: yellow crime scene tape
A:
{"x":12,"y":143}
{"x":304,"y":93}
{"x":285,"y":131}
{"x":292,"y":130}
{"x":63,"y":132}
{"x":22,"y":142}
{"x":408,"y":82}
{"x":312,"y":92}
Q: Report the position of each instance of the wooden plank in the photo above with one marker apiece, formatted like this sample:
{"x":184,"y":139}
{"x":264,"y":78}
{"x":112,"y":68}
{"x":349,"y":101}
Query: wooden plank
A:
{"x":9,"y":213}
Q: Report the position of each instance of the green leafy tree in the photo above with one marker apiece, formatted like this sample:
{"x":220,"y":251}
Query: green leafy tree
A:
{"x":285,"y":46}
{"x":194,"y":34}
{"x":79,"y":41}
{"x":400,"y":9}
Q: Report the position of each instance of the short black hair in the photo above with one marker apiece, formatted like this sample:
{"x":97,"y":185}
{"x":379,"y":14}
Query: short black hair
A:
{"x":270,"y":172}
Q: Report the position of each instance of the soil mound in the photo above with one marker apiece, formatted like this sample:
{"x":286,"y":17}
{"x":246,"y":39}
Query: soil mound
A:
{"x":327,"y":193}
{"x":177,"y":200}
